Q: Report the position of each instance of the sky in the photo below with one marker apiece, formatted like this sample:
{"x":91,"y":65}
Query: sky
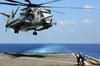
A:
{"x":74,"y":26}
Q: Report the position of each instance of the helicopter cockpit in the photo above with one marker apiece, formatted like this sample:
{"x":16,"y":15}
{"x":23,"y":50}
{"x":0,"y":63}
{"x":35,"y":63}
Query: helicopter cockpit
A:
{"x":47,"y":11}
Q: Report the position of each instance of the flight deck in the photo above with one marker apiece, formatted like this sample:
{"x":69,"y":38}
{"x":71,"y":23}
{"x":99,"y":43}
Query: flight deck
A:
{"x":43,"y":59}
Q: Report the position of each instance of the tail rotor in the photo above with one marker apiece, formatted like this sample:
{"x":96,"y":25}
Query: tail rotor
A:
{"x":13,"y":14}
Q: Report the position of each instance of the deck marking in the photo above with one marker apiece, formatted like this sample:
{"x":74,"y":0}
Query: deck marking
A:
{"x":84,"y":61}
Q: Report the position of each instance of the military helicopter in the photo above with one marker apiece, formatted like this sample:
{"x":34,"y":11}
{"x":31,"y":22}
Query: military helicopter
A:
{"x":34,"y":16}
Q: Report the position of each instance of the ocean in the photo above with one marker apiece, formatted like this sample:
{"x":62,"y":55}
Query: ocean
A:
{"x":87,"y":49}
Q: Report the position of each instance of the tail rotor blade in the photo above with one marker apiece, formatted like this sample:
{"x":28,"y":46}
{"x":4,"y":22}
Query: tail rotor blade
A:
{"x":13,"y":14}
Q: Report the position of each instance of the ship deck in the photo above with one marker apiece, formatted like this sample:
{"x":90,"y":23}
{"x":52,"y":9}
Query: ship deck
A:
{"x":40,"y":59}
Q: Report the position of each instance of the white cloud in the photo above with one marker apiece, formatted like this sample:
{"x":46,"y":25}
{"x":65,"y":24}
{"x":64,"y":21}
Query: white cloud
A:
{"x":88,"y":7}
{"x":87,"y":21}
{"x":70,"y":22}
{"x":67,"y":22}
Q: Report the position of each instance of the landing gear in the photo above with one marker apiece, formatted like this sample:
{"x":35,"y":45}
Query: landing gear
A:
{"x":34,"y":33}
{"x":16,"y":31}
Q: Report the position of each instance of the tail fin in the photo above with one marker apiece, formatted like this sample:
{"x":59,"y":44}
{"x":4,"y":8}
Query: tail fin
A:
{"x":9,"y":17}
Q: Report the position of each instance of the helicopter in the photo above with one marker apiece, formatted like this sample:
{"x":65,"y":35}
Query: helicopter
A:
{"x":33,"y":17}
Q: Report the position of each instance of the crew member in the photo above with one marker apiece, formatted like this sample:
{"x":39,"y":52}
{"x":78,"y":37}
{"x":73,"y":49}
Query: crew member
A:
{"x":82,"y":58}
{"x":78,"y":58}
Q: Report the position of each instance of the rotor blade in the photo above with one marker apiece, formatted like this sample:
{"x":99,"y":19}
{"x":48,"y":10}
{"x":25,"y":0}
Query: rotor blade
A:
{"x":66,"y":7}
{"x":8,"y":3}
{"x":28,"y":1}
{"x":14,"y":1}
{"x":4,"y":14}
{"x":49,"y":2}
{"x":13,"y":15}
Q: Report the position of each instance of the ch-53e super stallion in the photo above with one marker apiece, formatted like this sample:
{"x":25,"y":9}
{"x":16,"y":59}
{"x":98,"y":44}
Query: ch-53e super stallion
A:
{"x":33,"y":17}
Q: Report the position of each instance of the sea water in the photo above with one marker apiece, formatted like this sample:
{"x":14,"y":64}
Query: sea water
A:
{"x":87,"y":49}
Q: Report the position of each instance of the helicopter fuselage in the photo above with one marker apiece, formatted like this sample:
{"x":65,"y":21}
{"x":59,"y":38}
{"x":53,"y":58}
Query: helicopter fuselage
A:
{"x":36,"y":19}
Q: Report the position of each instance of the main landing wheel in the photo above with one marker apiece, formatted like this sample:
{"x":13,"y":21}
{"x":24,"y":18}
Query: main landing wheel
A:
{"x":16,"y":31}
{"x":35,"y":33}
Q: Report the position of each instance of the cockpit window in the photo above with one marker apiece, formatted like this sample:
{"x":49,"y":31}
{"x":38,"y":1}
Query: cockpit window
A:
{"x":33,"y":16}
{"x":37,"y":13}
{"x":41,"y":15}
{"x":41,"y":11}
{"x":44,"y":12}
{"x":48,"y":11}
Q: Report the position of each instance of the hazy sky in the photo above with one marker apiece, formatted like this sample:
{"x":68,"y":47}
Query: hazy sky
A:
{"x":75,"y":26}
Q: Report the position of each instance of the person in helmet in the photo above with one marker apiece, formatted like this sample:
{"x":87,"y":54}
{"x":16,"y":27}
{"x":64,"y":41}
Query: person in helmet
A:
{"x":78,"y":58}
{"x":82,"y":58}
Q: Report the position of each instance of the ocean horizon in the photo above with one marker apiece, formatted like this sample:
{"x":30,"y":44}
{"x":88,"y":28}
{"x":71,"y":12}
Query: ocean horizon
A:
{"x":87,"y":49}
